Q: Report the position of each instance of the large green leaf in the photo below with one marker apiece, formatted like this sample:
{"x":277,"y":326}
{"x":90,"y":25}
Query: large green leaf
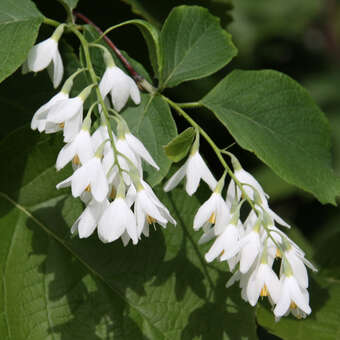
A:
{"x":58,"y":287}
{"x":19,"y":25}
{"x":151,"y":121}
{"x":193,"y":45}
{"x":269,"y":114}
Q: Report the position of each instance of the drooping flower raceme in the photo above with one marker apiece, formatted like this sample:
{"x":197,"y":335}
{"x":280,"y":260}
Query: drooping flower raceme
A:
{"x":108,"y":169}
{"x":46,"y":55}
{"x":250,"y":245}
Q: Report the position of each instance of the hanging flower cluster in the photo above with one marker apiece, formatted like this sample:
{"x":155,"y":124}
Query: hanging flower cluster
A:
{"x":108,"y":178}
{"x":108,"y":172}
{"x":249,"y":245}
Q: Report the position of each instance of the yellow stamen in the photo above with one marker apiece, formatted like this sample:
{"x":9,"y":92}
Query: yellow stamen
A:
{"x":293,"y":305}
{"x":113,"y":193}
{"x":212,"y":218}
{"x":264,"y":291}
{"x":222,"y":252}
{"x":150,"y":219}
{"x":61,"y":125}
{"x":88,"y":188}
{"x":278,"y":253}
{"x":76,"y":160}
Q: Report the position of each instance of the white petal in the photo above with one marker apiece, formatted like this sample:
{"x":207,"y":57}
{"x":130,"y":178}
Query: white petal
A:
{"x":120,"y":92}
{"x":65,"y":110}
{"x":58,"y":69}
{"x":206,"y":175}
{"x":111,"y":225}
{"x":205,"y":211}
{"x":148,"y":207}
{"x":193,"y":175}
{"x":106,"y":82}
{"x":249,"y":252}
{"x":175,"y":178}
{"x":40,"y":55}
{"x":84,"y":146}
{"x":81,"y":178}
{"x":65,"y":155}
{"x":72,"y":127}
{"x":99,"y":185}
{"x":283,"y":303}
{"x":216,"y":249}
{"x":134,"y":91}
{"x":89,"y":218}
{"x":138,"y":147}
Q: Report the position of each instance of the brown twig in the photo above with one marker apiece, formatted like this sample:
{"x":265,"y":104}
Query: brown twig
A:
{"x":134,"y":74}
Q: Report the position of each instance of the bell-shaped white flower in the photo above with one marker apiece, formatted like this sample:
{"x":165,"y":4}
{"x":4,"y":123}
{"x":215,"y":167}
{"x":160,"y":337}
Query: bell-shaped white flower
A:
{"x":46,"y":54}
{"x":65,"y":110}
{"x":298,"y":264}
{"x":225,"y":241}
{"x":213,"y":210}
{"x":194,"y":169}
{"x":80,"y":149}
{"x":292,"y":295}
{"x":88,"y":220}
{"x":118,"y":84}
{"x":117,"y":219}
{"x":69,"y":114}
{"x":149,"y":208}
{"x":91,"y":177}
{"x":39,"y":118}
{"x":249,"y":247}
{"x":263,"y":282}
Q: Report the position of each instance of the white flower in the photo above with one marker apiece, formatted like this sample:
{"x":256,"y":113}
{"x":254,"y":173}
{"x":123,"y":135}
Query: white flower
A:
{"x":149,"y":208}
{"x":225,"y":241}
{"x":117,"y":219}
{"x":297,"y":263}
{"x":90,"y":176}
{"x":88,"y":220}
{"x":213,"y":210}
{"x":80,"y":149}
{"x":249,"y":247}
{"x":120,"y":85}
{"x":291,"y":297}
{"x":250,"y":183}
{"x":39,"y":118}
{"x":65,"y":110}
{"x":46,"y":54}
{"x":263,"y":281}
{"x":194,"y":169}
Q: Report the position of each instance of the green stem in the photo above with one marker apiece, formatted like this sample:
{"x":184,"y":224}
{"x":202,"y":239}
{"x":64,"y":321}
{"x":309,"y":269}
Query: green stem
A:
{"x":213,"y":146}
{"x":51,"y":22}
{"x":93,"y":76}
{"x":190,"y":105}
